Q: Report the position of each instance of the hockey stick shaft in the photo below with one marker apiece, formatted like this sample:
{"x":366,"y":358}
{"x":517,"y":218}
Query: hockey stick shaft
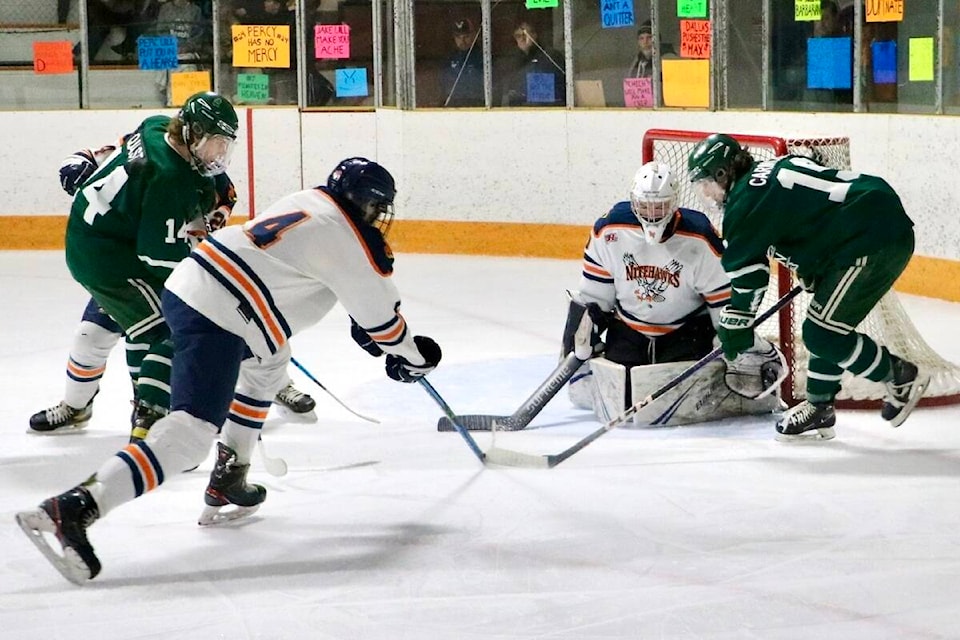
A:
{"x":453,"y":418}
{"x":554,"y":460}
{"x":338,"y":401}
{"x":530,"y":407}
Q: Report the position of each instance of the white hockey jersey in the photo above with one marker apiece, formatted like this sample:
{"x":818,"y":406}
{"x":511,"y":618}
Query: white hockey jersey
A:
{"x":655,"y":288}
{"x":283,"y":271}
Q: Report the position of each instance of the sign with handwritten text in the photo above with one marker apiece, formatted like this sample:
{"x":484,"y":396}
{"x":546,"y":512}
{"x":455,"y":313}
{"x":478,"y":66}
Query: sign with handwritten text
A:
{"x":331,"y":41}
{"x":261,"y":45}
{"x":694,"y":38}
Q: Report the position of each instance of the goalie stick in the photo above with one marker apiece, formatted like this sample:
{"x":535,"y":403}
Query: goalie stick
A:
{"x":453,"y":419}
{"x":506,"y":457}
{"x":527,"y":411}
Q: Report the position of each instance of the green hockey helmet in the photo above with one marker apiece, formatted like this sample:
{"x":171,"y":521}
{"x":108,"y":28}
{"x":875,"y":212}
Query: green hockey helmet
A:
{"x":209,"y":130}
{"x":712,"y":157}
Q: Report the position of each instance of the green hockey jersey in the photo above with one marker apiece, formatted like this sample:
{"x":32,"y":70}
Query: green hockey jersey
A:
{"x":808,"y":217}
{"x":130,"y":218}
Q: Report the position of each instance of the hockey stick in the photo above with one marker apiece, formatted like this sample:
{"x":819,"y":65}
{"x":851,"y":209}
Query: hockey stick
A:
{"x":453,"y":419}
{"x":528,"y":410}
{"x":319,"y":384}
{"x":515,"y":459}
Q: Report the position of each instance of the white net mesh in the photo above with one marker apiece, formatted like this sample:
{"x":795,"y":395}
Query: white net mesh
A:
{"x":888,"y":323}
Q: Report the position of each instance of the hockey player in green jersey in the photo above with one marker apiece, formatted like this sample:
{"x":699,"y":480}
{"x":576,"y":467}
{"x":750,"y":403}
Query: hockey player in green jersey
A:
{"x":130,"y":224}
{"x":847,"y":237}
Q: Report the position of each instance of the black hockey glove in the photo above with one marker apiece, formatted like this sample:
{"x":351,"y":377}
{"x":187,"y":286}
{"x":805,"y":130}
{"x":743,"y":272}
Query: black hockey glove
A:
{"x":400,"y":369}
{"x":363,"y":339}
{"x":75,"y":169}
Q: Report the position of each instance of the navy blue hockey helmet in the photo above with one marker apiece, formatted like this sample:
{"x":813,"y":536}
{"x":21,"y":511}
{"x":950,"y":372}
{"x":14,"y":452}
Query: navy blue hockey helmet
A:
{"x":368,"y":187}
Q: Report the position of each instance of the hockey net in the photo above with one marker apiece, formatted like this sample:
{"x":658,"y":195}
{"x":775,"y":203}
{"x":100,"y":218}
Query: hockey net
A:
{"x":887,"y":323}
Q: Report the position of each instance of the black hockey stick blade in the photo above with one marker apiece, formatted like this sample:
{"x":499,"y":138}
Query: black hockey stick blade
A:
{"x":477,"y":422}
{"x":528,"y":410}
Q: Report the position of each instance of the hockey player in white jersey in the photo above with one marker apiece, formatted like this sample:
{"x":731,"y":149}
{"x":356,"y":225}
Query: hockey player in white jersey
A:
{"x":246,"y":290}
{"x":98,"y":334}
{"x":653,"y":282}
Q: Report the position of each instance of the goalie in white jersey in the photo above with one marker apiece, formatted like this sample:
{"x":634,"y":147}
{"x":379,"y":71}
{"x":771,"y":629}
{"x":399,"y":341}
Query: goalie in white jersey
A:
{"x":248,"y":289}
{"x":653,"y":282}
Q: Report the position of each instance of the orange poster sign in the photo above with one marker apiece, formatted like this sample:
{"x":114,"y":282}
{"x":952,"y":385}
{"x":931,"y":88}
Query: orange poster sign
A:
{"x":53,"y":57}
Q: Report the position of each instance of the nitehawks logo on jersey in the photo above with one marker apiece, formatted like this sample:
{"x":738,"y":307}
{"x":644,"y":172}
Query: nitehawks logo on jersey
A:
{"x":651,"y":280}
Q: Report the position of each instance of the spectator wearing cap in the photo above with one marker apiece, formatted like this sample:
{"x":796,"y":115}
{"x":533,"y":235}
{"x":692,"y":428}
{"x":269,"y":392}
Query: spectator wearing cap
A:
{"x":642,"y":66}
{"x":461,"y":79}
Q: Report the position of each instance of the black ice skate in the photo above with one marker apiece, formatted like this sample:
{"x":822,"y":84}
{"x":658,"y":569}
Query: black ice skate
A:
{"x":144,"y":416}
{"x":807,"y":421}
{"x":228,"y":486}
{"x":66,"y":516}
{"x":295,"y":401}
{"x":904,"y":391}
{"x":60,"y":419}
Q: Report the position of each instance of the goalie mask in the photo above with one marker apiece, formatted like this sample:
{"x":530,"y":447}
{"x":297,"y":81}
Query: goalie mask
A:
{"x":710,"y":167}
{"x":653,"y":198}
{"x":209,"y":130}
{"x":367,"y":188}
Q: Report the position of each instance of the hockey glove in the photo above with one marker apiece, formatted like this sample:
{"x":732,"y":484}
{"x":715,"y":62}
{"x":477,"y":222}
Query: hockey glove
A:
{"x":363,"y":339}
{"x":75,"y":169}
{"x":757,"y":372}
{"x":400,"y":369}
{"x":581,"y":334}
{"x":735,"y":331}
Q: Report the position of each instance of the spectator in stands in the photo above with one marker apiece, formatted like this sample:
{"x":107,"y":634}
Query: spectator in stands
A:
{"x":182,"y":19}
{"x":461,"y":79}
{"x":533,"y":60}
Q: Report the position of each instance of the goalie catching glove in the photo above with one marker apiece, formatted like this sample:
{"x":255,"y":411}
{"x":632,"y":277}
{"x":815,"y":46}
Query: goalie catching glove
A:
{"x":402,"y":370}
{"x":756,"y":372}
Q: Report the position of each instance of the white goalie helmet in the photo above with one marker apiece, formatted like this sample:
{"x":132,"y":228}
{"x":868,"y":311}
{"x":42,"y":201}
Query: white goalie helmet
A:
{"x":653,"y":198}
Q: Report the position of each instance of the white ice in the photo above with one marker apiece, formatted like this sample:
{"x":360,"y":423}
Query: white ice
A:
{"x":395,"y":531}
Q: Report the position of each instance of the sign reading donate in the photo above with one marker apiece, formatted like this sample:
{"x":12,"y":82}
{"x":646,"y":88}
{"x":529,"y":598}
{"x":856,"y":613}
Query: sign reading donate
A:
{"x":261,"y":45}
{"x":331,"y":41}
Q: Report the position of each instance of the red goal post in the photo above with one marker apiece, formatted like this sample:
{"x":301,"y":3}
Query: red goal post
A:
{"x":888,"y":323}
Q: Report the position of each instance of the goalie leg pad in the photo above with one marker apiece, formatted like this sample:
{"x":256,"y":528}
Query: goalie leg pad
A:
{"x":580,"y":388}
{"x":703,"y":397}
{"x":608,"y":388}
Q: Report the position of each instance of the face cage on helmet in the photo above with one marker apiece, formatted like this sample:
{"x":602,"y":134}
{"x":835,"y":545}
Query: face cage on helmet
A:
{"x":211,"y":154}
{"x":711,"y":195}
{"x":653,"y":215}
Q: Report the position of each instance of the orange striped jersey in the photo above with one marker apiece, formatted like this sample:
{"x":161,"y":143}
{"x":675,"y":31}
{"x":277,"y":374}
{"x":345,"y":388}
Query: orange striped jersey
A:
{"x":655,"y":288}
{"x":283,"y":271}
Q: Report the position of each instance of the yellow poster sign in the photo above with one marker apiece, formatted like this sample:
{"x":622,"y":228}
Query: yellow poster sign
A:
{"x":261,"y":45}
{"x":184,"y":84}
{"x":686,"y":83}
{"x":884,"y":10}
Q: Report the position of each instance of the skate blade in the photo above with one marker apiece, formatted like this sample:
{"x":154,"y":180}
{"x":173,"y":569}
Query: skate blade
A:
{"x":289,"y":415}
{"x":35,"y":524}
{"x":814,"y":435}
{"x":919,"y":388}
{"x":213,"y":516}
{"x":66,"y":430}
